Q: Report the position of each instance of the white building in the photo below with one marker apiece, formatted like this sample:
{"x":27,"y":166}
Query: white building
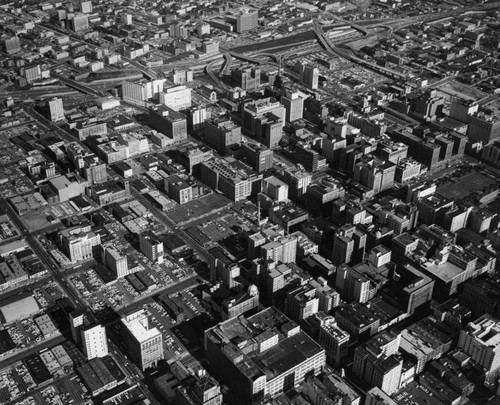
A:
{"x":56,"y":109}
{"x":482,"y":342}
{"x":177,"y":98}
{"x":94,"y":341}
{"x":145,"y":343}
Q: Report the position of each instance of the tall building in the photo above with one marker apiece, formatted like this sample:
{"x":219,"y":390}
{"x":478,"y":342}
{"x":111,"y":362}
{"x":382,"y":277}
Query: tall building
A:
{"x":126,"y":19}
{"x":151,"y":246}
{"x":262,"y":355}
{"x":222,"y":132}
{"x":78,"y":242}
{"x":76,"y":320}
{"x":247,"y":19}
{"x":297,"y":179}
{"x":378,"y":362}
{"x":264,"y":119}
{"x":257,"y":156}
{"x":94,"y":341}
{"x":116,"y":261}
{"x":56,"y":109}
{"x":86,"y":6}
{"x":169,"y":122}
{"x":481,"y":341}
{"x":334,"y":340}
{"x":294,"y":105}
{"x":11,"y":45}
{"x":309,"y":75}
{"x":248,"y":78}
{"x":80,"y":22}
{"x":301,"y":303}
{"x":177,"y":98}
{"x":144,"y":343}
{"x":282,"y":249}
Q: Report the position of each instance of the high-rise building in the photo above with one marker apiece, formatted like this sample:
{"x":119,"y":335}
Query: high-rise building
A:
{"x":248,"y":78}
{"x":481,"y":341}
{"x":294,"y":106}
{"x":116,"y":261}
{"x":301,"y":303}
{"x":169,"y":122}
{"x":76,"y":320}
{"x":264,"y":119}
{"x":283,"y":249}
{"x":334,"y":340}
{"x":86,"y":6}
{"x":177,"y":98}
{"x":222,"y":132}
{"x":247,"y":19}
{"x":56,"y":109}
{"x":80,"y":22}
{"x":378,"y":362}
{"x":275,"y":188}
{"x":78,"y":242}
{"x":144,"y":343}
{"x":257,"y":156}
{"x":309,"y":75}
{"x":126,"y":19}
{"x":11,"y":45}
{"x":33,"y":73}
{"x":94,"y":341}
{"x":268,"y":358}
{"x":151,"y":246}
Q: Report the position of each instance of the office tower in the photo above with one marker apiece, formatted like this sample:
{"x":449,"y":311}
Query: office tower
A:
{"x":222,"y":132}
{"x":126,"y":19}
{"x":378,"y":362}
{"x":264,"y":119}
{"x":276,"y":189}
{"x":76,"y":319}
{"x":80,"y":22}
{"x":257,"y":156}
{"x":247,"y":19}
{"x":78,"y":242}
{"x":309,"y":75}
{"x":481,"y":341}
{"x":294,"y":105}
{"x":177,"y":98}
{"x":11,"y":45}
{"x":334,"y":340}
{"x":56,"y":109}
{"x":248,"y":78}
{"x":151,"y":246}
{"x":144,"y":343}
{"x":94,"y":341}
{"x":86,"y":7}
{"x":116,"y":261}
{"x":301,"y":303}
{"x":169,"y":122}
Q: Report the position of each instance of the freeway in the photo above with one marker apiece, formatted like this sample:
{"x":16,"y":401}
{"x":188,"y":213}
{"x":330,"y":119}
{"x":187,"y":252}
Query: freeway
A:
{"x":331,"y":48}
{"x":210,"y":71}
{"x":78,"y":86}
